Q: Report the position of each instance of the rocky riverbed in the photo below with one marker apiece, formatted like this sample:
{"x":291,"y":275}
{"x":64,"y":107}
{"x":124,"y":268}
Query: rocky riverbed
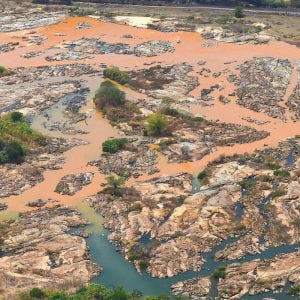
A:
{"x":263,"y":84}
{"x":184,"y":204}
{"x":159,"y":225}
{"x":33,"y":18}
{"x":70,"y":184}
{"x":39,"y":251}
{"x":85,"y":48}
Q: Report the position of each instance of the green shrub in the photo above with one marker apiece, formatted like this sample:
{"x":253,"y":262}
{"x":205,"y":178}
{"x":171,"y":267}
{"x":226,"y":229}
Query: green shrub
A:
{"x":295,"y":290}
{"x":167,"y":100}
{"x":219,"y":273}
{"x":170,"y":111}
{"x":202,"y":175}
{"x":16,"y":116}
{"x":108,"y":95}
{"x":282,"y":173}
{"x":114,"y":185}
{"x":156,"y":124}
{"x":277,"y":193}
{"x":36,"y":293}
{"x":3,"y":71}
{"x":239,"y":12}
{"x":198,"y":119}
{"x":224,"y":20}
{"x":116,"y":74}
{"x":58,"y":296}
{"x":144,"y":264}
{"x":114,"y":145}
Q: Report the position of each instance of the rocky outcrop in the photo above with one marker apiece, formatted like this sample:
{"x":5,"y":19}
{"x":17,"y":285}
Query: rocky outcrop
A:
{"x":140,"y":211}
{"x":250,"y":278}
{"x":259,"y":276}
{"x":153,"y":48}
{"x":294,"y":102}
{"x":222,"y":35}
{"x":85,"y":47}
{"x":191,"y":139}
{"x":262,"y":85}
{"x":164,"y":81}
{"x":71,"y":184}
{"x":197,"y":288}
{"x":22,"y":75}
{"x":3,"y":206}
{"x":33,"y":18}
{"x":266,"y":213}
{"x":35,"y":97}
{"x":128,"y":163}
{"x":9,"y":47}
{"x":39,"y":252}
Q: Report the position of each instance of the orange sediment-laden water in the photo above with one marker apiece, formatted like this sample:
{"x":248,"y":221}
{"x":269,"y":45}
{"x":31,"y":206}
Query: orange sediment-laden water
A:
{"x":189,"y":50}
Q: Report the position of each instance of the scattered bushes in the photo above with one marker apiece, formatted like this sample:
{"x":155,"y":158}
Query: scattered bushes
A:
{"x":114,"y":145}
{"x":99,"y":292}
{"x":116,"y":74}
{"x":156,"y":124}
{"x":15,"y":137}
{"x":108,"y":95}
{"x":14,"y":127}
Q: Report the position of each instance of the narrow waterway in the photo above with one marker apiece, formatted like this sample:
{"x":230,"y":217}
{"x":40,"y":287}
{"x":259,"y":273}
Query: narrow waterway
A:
{"x":118,"y":272}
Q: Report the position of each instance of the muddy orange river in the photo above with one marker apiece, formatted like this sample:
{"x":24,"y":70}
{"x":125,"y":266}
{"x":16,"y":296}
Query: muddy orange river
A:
{"x":190,"y":51}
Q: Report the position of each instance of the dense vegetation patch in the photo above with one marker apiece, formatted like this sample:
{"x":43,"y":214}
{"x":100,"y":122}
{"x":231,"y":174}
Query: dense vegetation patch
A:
{"x":114,"y":145}
{"x":116,"y":74}
{"x":92,"y":292}
{"x":16,"y":137}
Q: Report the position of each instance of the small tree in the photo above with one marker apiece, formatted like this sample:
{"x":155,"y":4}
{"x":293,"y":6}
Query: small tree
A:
{"x":115,"y":183}
{"x":108,"y":95}
{"x":239,"y":12}
{"x":16,"y":116}
{"x":156,"y":124}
